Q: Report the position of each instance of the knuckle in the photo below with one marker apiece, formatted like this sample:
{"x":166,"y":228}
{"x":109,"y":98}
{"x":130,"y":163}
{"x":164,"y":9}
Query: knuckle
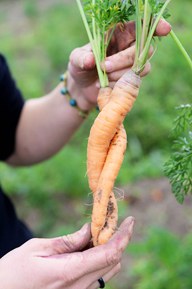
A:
{"x":131,"y":59}
{"x":113,"y":256}
{"x":33,"y":241}
{"x":68,"y":243}
{"x":121,"y":55}
{"x":112,"y":76}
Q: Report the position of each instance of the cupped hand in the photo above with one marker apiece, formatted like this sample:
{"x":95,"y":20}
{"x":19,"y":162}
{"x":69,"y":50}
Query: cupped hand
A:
{"x":83,"y":79}
{"x":63,"y":262}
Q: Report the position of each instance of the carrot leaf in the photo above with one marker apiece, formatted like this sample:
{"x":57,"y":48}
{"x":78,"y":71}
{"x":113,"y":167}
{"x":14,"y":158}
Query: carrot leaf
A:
{"x":179,"y":166}
{"x":148,"y":13}
{"x":100,"y":19}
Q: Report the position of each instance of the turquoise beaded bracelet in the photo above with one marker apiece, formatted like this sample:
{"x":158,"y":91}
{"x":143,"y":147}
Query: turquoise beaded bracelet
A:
{"x":72,"y":101}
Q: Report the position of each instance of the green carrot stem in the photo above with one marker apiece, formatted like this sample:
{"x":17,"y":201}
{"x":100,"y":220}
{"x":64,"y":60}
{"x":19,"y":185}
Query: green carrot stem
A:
{"x":93,"y":45}
{"x":146,"y":24}
{"x":110,"y":34}
{"x":139,"y":65}
{"x":181,"y":48}
{"x":138,"y":32}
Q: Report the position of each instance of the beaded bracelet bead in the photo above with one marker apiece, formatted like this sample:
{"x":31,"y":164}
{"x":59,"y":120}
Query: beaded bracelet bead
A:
{"x":72,"y":101}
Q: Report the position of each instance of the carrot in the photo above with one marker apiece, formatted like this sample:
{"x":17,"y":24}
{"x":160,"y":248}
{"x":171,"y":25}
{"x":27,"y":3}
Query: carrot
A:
{"x":94,"y":173}
{"x":104,"y":221}
{"x":107,"y":141}
{"x":93,"y":176}
{"x":110,"y":222}
{"x":95,"y":161}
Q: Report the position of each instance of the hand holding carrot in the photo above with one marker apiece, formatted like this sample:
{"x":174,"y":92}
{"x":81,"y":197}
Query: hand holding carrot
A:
{"x":63,"y":263}
{"x":83,"y":77}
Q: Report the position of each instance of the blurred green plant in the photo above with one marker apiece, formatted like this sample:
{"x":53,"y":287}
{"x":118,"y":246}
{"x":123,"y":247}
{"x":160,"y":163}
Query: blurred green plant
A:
{"x":30,"y":8}
{"x":162,"y":260}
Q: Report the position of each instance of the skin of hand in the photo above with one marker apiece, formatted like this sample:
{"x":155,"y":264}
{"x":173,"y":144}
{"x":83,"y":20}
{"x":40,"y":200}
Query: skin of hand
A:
{"x":63,"y":262}
{"x":82,"y":70}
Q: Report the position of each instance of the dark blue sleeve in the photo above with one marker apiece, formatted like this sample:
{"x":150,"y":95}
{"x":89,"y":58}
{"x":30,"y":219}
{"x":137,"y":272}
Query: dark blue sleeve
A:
{"x":13,"y":232}
{"x":11,"y":104}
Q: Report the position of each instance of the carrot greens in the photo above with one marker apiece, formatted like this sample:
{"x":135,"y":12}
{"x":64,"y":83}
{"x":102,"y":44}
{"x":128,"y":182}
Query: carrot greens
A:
{"x":179,"y":166}
{"x":147,"y":16}
{"x":100,"y":19}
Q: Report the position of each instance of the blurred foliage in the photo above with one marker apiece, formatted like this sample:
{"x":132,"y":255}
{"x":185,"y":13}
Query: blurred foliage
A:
{"x":30,"y":8}
{"x":162,"y":260}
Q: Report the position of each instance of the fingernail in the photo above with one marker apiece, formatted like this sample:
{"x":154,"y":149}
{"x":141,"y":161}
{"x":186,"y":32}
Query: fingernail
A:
{"x":108,"y":66}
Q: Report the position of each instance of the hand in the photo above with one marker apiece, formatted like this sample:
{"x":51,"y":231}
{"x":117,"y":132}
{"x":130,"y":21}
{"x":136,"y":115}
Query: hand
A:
{"x":83,"y":80}
{"x":60,"y":262}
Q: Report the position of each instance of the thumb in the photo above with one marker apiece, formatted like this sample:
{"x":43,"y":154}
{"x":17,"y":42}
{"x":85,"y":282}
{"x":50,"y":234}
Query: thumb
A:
{"x":64,"y":244}
{"x":76,"y":241}
{"x":82,"y":58}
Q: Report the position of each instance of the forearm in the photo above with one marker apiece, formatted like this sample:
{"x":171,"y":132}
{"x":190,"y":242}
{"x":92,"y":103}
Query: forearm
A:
{"x":46,"y":125}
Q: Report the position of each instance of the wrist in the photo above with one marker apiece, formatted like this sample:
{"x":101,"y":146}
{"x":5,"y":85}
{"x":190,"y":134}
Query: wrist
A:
{"x":77,"y":93}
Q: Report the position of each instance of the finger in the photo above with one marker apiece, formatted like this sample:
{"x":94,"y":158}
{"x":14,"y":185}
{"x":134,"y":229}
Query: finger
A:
{"x":146,"y":70}
{"x":112,"y":84}
{"x":120,"y":60}
{"x":114,"y":76}
{"x":163,"y":28}
{"x":82,"y":58}
{"x":106,"y":277}
{"x":70,"y":267}
{"x":124,"y":232}
{"x":109,"y":254}
{"x":122,"y":38}
{"x":90,"y":280}
{"x":65,"y":244}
